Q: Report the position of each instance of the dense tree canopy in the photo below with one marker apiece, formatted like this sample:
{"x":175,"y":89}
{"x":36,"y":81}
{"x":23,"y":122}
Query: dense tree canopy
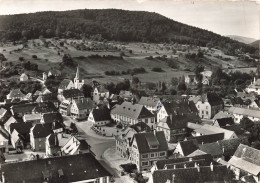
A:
{"x":107,"y":24}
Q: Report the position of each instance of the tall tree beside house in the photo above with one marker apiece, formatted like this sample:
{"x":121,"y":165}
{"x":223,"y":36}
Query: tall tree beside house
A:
{"x":86,"y":89}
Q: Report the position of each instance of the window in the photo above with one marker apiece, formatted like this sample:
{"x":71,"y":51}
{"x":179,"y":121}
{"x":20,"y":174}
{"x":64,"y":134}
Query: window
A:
{"x":206,"y":107}
{"x":145,"y":156}
{"x":202,"y":112}
{"x":207,"y":112}
{"x":145,"y":163}
{"x":198,"y":106}
{"x":152,"y":155}
{"x":162,"y":154}
{"x":146,"y":120}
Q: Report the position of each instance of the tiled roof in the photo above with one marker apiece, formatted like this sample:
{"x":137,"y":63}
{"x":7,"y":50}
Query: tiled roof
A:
{"x":144,"y":139}
{"x":50,"y":97}
{"x":84,"y":103}
{"x":140,"y":127}
{"x":191,"y":175}
{"x":45,"y":107}
{"x":64,"y":83}
{"x":71,"y":93}
{"x":208,"y":129}
{"x":102,"y":114}
{"x":149,"y":101}
{"x":247,"y":159}
{"x":212,"y":148}
{"x":29,"y":117}
{"x":161,"y":163}
{"x":235,"y":128}
{"x":51,"y":117}
{"x":182,"y":106}
{"x":207,"y":138}
{"x":180,"y":121}
{"x":67,"y":166}
{"x":245,"y":112}
{"x":23,"y":108}
{"x":188,"y":146}
{"x":42,"y":130}
{"x":221,"y":114}
{"x":134,"y":111}
{"x":196,"y":153}
{"x":21,"y":128}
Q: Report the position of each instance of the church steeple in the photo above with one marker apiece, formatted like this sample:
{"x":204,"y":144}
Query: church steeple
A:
{"x":77,"y":74}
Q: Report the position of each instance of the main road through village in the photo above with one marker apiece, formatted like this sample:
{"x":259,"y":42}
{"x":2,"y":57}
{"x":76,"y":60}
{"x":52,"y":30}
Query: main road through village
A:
{"x":98,"y":143}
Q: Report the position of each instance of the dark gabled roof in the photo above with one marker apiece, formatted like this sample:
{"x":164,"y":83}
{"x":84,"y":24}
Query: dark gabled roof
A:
{"x":207,"y":138}
{"x":45,"y":107}
{"x":50,"y":97}
{"x":83,"y":145}
{"x":212,"y":98}
{"x":140,"y":127}
{"x":192,"y":175}
{"x":23,"y":108}
{"x":161,"y":163}
{"x":235,"y":128}
{"x":179,"y":107}
{"x":230,"y":145}
{"x":21,"y":128}
{"x":69,"y":166}
{"x":71,"y":93}
{"x":225,"y":121}
{"x":42,"y":130}
{"x":51,"y":117}
{"x":101,"y":114}
{"x":143,"y":140}
{"x":64,"y":83}
{"x":188,"y":146}
{"x":180,"y":121}
{"x":212,"y":148}
{"x":84,"y":103}
{"x":134,"y":111}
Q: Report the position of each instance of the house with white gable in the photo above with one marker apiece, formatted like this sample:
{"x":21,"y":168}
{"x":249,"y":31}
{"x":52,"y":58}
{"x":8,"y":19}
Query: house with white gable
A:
{"x":239,"y":112}
{"x":153,"y":104}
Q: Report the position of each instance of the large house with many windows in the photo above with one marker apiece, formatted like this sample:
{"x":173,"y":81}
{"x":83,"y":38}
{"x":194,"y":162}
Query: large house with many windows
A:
{"x":129,"y":114}
{"x":147,"y":148}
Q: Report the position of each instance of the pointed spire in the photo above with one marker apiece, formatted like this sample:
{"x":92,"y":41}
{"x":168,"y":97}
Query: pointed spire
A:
{"x":77,"y":73}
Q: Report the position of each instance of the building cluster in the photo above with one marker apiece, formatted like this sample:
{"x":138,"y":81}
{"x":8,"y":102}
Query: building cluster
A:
{"x":179,"y":139}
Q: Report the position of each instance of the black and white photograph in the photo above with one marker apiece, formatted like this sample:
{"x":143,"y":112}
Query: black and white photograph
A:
{"x":129,"y":91}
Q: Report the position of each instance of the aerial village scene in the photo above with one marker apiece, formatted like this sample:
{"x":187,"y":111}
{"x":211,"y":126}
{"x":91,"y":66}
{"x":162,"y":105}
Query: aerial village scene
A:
{"x":100,"y":96}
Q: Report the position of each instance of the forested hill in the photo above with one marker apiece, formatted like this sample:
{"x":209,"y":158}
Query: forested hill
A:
{"x":111,"y":24}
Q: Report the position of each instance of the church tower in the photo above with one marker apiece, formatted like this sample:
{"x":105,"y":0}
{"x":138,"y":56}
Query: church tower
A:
{"x":78,"y":81}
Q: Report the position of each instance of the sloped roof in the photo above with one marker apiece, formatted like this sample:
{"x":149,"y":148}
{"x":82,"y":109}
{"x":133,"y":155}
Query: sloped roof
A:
{"x":209,"y":129}
{"x":182,"y":106}
{"x":2,"y":111}
{"x":101,"y":114}
{"x":149,"y":101}
{"x":71,"y":93}
{"x":212,"y":148}
{"x":245,"y":111}
{"x":84,"y":103}
{"x":73,"y":170}
{"x":50,"y":97}
{"x":10,"y":121}
{"x":230,"y":145}
{"x":207,"y":138}
{"x":196,"y":153}
{"x":45,"y":107}
{"x":140,"y":127}
{"x":161,"y":163}
{"x":42,"y":130}
{"x":225,"y":121}
{"x":188,"y":175}
{"x":21,"y":128}
{"x":143,"y":139}
{"x":16,"y":93}
{"x":221,"y":114}
{"x":23,"y":108}
{"x":180,"y":121}
{"x":51,"y":117}
{"x":188,"y":146}
{"x":134,"y":111}
{"x":32,"y":117}
{"x":64,"y":83}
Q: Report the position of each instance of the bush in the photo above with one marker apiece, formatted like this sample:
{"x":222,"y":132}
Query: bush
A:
{"x":21,"y":58}
{"x":157,"y":69}
{"x":34,"y":56}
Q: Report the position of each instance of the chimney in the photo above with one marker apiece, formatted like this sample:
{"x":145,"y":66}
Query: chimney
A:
{"x":3,"y":177}
{"x":211,"y":166}
{"x":174,"y":166}
{"x":198,"y":167}
{"x":195,"y":165}
{"x":190,"y":159}
{"x":223,"y":149}
{"x":154,"y":132}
